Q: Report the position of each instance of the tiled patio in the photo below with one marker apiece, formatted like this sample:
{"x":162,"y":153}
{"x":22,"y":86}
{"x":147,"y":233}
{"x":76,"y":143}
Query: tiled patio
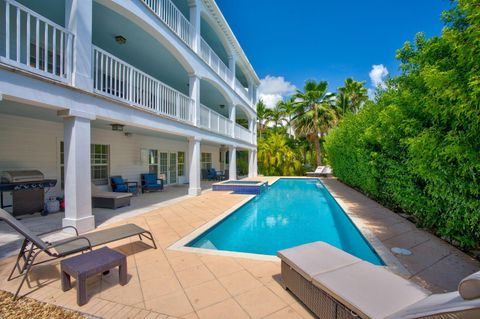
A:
{"x":173,"y":284}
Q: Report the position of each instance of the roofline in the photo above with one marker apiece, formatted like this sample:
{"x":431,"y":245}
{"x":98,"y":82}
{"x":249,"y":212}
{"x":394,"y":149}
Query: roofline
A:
{"x":218,"y":16}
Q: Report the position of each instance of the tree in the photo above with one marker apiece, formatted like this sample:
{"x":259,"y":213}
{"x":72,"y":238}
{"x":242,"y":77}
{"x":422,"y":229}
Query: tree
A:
{"x":276,"y":158}
{"x":313,"y":114}
{"x":263,"y":116}
{"x":352,"y":96}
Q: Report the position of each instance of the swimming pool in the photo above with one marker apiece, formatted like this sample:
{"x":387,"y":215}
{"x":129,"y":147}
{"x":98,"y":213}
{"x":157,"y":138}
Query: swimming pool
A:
{"x":292,"y":212}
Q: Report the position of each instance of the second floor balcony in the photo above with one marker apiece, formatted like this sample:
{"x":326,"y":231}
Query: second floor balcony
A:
{"x":151,"y":79}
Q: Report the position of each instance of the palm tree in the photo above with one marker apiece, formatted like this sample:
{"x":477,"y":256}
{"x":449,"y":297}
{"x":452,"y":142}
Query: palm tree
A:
{"x":275,"y":157}
{"x":314,"y":113}
{"x":351,"y":96}
{"x":263,"y":117}
{"x":288,"y":108}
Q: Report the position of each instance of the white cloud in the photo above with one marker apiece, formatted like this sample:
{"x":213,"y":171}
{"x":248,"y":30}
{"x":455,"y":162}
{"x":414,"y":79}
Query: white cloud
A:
{"x":273,"y":89}
{"x":378,"y":74}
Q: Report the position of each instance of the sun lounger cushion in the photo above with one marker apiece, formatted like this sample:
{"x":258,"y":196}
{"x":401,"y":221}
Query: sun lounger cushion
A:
{"x":469,"y":287}
{"x":101,"y":237}
{"x":111,"y":195}
{"x":312,"y":259}
{"x":449,"y":306}
{"x":370,"y":291}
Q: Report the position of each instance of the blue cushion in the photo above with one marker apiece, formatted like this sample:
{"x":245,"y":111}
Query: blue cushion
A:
{"x":155,"y":186}
{"x":132,"y":188}
{"x":119,"y":184}
{"x":150,"y":179}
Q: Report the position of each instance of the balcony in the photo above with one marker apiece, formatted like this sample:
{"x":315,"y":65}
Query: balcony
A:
{"x":242,"y":133}
{"x":119,"y":80}
{"x":215,"y":122}
{"x":35,"y":44}
{"x":169,"y":14}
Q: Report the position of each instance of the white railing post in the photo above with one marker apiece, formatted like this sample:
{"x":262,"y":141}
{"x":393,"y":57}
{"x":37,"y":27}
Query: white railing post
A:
{"x":7,"y":29}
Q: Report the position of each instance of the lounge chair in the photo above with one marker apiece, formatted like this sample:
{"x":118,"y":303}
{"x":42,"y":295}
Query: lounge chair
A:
{"x":214,"y":175}
{"x":33,"y":244}
{"x":321,"y":171}
{"x":151,"y":183}
{"x":335,"y":284}
{"x":119,"y":185}
{"x":112,"y":200}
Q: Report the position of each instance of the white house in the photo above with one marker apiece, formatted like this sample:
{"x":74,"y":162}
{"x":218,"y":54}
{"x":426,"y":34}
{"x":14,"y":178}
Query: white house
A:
{"x":95,"y":88}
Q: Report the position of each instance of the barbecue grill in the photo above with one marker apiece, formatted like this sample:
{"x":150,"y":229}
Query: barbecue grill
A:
{"x":27,"y":188}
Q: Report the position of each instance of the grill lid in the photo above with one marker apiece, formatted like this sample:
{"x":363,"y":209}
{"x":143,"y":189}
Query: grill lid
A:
{"x":22,"y":176}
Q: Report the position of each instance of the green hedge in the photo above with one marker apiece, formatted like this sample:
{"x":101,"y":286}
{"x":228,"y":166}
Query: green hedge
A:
{"x":416,"y":148}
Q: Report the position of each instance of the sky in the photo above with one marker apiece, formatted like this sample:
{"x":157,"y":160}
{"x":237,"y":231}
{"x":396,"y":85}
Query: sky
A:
{"x":288,"y":42}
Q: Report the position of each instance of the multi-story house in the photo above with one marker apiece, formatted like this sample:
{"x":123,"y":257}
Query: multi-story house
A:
{"x":95,"y":88}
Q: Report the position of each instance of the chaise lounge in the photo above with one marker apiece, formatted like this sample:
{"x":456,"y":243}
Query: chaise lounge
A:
{"x":111,"y":200}
{"x":335,"y":284}
{"x":33,"y":244}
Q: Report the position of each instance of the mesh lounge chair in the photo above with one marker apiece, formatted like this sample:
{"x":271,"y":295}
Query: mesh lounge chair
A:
{"x":151,"y":183}
{"x":33,"y":244}
{"x":334,"y":284}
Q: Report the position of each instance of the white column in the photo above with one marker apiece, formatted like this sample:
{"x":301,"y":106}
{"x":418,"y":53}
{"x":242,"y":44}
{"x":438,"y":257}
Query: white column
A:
{"x":195,"y":21}
{"x":195,"y":187}
{"x":251,"y":159}
{"x":233,"y":114}
{"x":232,"y":170}
{"x":78,"y":192}
{"x":233,"y":69}
{"x":255,"y":164}
{"x":194,"y":87}
{"x":78,"y":19}
{"x":251,"y":128}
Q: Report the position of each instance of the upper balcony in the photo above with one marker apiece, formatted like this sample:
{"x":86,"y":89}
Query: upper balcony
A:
{"x":152,"y":79}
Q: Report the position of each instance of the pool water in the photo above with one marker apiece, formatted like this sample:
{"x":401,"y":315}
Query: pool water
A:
{"x":292,"y":212}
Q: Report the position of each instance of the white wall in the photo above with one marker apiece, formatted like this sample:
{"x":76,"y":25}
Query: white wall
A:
{"x":27,"y":143}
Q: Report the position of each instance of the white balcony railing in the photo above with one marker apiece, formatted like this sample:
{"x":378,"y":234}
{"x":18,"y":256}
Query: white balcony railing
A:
{"x":117,"y":79}
{"x":34,"y":43}
{"x":242,"y":133}
{"x":240,"y":89}
{"x":173,"y":18}
{"x":212,"y":59}
{"x":214,"y":121}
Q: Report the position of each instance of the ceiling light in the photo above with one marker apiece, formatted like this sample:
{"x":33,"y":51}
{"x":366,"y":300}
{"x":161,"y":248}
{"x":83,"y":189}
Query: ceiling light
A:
{"x":120,"y":39}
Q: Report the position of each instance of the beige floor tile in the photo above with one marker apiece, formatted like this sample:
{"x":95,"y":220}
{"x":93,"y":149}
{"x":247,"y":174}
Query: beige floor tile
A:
{"x":284,"y":294}
{"x":285,"y":313}
{"x":260,"y":302}
{"x":114,"y":312}
{"x":193,"y":276}
{"x":105,"y":309}
{"x":142,"y":314}
{"x":128,"y":313}
{"x":302,"y":310}
{"x":206,"y":294}
{"x":159,"y":286}
{"x":185,"y":261}
{"x":226,"y":309}
{"x":221,"y":266}
{"x":176,"y":304}
{"x":239,"y":282}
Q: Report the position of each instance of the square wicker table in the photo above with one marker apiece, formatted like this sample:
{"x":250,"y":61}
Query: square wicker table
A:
{"x":89,"y":264}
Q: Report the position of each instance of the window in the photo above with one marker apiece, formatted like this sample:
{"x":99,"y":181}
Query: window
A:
{"x":153,"y":161}
{"x":99,"y":163}
{"x":181,"y":163}
{"x":163,"y":165}
{"x":99,"y":155}
{"x":206,"y":160}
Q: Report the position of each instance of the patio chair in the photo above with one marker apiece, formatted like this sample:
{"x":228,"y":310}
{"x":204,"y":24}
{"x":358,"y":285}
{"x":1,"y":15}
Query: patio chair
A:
{"x":33,"y":244}
{"x":151,"y":183}
{"x":111,"y":200}
{"x":335,"y":284}
{"x":119,"y":185}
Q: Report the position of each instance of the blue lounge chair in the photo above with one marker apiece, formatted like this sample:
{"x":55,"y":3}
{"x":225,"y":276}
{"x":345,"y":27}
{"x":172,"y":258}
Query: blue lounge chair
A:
{"x":151,"y":183}
{"x":119,"y":185}
{"x":214,"y":175}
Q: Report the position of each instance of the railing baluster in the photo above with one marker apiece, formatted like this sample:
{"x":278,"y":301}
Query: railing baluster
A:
{"x":18,"y":35}
{"x":45,"y":44}
{"x":62,"y":62}
{"x":37,"y":43}
{"x":7,"y":30}
{"x":27,"y":41}
{"x":54,"y":51}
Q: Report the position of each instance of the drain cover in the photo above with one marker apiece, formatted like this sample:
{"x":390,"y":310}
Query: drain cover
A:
{"x":401,"y":251}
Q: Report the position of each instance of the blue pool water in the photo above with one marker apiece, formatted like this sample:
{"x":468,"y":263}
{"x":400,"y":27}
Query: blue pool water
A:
{"x":292,"y":212}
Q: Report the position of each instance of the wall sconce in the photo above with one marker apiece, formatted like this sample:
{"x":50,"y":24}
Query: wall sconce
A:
{"x":120,"y":39}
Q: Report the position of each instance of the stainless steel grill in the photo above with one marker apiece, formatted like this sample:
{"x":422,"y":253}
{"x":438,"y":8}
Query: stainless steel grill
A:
{"x":27,"y":188}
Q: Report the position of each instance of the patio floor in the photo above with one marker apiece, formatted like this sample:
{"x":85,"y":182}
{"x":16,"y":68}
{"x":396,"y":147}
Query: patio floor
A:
{"x":173,"y":284}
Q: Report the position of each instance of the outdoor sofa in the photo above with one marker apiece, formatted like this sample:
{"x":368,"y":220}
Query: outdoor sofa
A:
{"x":111,"y":200}
{"x":33,"y":244}
{"x":335,"y":284}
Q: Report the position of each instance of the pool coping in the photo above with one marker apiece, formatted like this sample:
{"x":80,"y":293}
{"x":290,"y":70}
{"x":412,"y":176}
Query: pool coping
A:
{"x":388,"y":258}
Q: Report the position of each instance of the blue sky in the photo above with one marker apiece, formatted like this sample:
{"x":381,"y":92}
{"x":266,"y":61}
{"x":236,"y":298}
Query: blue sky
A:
{"x":327,"y":40}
